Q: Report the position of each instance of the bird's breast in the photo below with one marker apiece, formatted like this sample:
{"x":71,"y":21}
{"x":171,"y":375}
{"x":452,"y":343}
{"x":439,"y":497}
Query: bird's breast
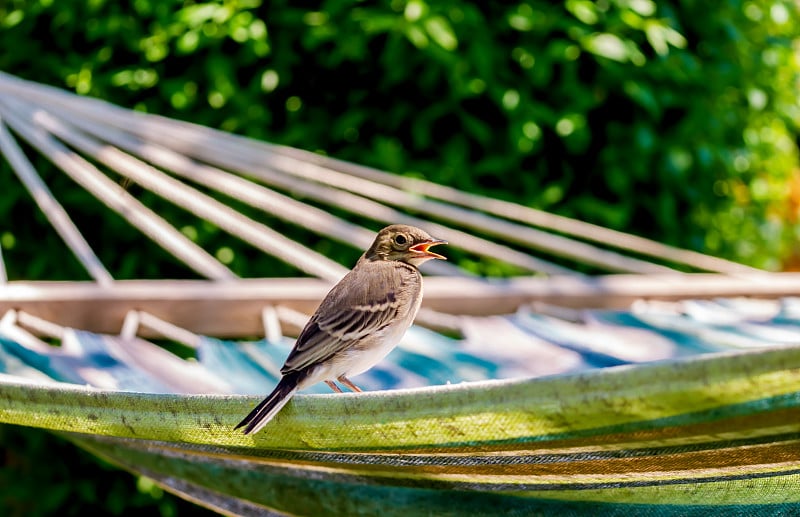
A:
{"x":371,"y":350}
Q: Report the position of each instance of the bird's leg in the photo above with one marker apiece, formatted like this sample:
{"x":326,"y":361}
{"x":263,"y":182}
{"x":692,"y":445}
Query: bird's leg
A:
{"x":347,"y":382}
{"x":333,"y":386}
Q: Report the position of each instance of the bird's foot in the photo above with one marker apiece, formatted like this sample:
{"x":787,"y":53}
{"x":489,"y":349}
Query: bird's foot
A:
{"x":347,"y":382}
{"x":333,"y":386}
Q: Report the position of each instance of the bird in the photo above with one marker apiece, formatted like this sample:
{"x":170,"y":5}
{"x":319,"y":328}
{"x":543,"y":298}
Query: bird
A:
{"x":359,"y":321}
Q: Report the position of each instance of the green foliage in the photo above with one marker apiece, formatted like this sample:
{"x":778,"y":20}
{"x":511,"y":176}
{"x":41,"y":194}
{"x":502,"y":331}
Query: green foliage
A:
{"x":677,"y":120}
{"x":656,"y":119}
{"x":41,"y":474}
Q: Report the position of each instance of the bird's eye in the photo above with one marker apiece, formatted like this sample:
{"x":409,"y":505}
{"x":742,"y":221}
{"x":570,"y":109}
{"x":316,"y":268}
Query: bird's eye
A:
{"x":400,"y":239}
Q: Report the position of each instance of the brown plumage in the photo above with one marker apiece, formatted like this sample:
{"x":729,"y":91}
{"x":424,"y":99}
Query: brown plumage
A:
{"x":358,"y":322}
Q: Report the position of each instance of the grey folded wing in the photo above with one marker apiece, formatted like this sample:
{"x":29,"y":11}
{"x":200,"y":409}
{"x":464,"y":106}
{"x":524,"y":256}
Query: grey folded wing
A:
{"x":368,"y":299}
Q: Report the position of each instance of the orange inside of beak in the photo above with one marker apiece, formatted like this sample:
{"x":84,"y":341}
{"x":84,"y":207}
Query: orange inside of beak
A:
{"x":423,"y":248}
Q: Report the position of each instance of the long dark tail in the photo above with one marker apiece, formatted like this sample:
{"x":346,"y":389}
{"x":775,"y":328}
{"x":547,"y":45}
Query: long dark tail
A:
{"x":269,"y":407}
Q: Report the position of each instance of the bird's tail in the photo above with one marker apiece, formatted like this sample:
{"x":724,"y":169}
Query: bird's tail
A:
{"x":269,"y":407}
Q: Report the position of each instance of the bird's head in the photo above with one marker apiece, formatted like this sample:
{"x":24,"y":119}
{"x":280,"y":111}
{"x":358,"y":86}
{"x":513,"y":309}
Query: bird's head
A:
{"x":405,"y":244}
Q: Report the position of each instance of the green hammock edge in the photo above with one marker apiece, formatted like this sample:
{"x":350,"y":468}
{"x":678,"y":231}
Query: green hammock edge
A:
{"x":598,"y":401}
{"x":286,"y":489}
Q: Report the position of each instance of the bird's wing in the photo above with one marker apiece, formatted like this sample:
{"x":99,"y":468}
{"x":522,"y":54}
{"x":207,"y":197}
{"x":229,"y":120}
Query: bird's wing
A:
{"x":365,"y":301}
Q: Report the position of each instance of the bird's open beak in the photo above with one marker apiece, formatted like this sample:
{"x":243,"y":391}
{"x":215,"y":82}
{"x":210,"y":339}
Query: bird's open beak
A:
{"x":422,"y":248}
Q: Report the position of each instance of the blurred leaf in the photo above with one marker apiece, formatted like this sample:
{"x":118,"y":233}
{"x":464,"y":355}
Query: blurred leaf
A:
{"x":440,"y":31}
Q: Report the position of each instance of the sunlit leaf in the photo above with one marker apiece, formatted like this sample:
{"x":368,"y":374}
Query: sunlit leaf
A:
{"x":608,"y":46}
{"x":441,"y":32}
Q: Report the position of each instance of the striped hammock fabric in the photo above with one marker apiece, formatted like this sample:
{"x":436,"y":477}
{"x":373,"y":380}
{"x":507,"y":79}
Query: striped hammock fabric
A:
{"x":684,"y":408}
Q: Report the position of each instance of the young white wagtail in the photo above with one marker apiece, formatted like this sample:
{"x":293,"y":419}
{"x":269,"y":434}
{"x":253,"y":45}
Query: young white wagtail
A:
{"x":358,"y":322}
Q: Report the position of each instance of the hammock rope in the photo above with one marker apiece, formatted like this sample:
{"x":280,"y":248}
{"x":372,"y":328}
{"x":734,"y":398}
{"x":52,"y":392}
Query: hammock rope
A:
{"x":229,"y":160}
{"x":119,"y":200}
{"x":51,"y":208}
{"x":3,"y":274}
{"x":527,"y":215}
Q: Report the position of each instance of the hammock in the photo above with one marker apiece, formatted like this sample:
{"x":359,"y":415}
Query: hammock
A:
{"x":562,"y":394}
{"x":715,"y":428}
